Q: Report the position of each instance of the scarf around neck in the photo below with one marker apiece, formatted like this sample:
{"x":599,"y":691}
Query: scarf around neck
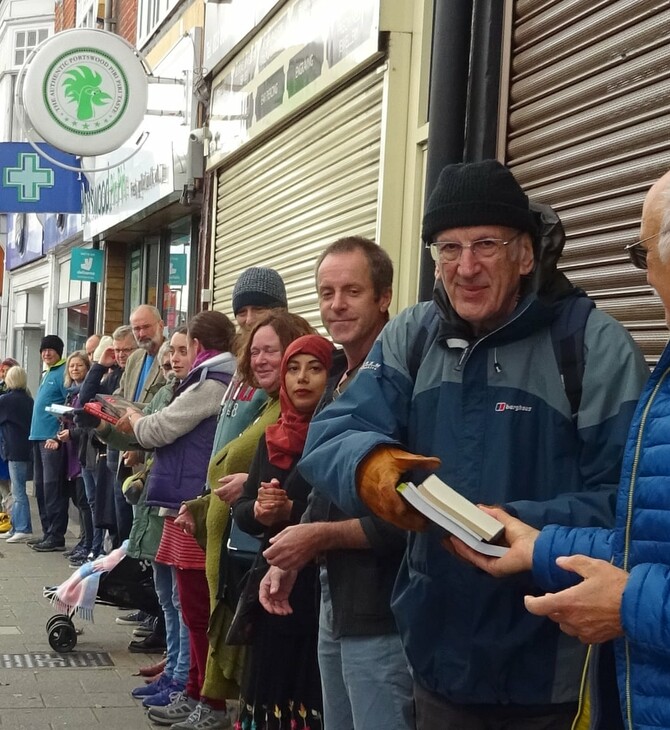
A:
{"x":286,"y":438}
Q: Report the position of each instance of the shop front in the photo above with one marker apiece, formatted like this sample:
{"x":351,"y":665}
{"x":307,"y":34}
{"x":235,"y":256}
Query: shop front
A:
{"x":299,"y":119}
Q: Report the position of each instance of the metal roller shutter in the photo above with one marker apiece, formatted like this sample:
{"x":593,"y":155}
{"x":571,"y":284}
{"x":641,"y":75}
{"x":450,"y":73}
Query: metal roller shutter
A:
{"x":288,"y":199}
{"x":587,"y":132}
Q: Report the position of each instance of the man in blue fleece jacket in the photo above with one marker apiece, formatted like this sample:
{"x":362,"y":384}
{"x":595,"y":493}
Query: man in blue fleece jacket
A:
{"x":52,"y":499}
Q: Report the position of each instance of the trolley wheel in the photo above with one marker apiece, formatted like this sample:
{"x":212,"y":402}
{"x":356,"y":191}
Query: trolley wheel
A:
{"x":63,"y":636}
{"x":51,"y":622}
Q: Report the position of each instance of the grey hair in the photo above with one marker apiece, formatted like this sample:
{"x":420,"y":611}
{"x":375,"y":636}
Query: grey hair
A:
{"x":16,"y":378}
{"x":149,"y":308}
{"x":120,"y":333}
{"x":163,"y":351}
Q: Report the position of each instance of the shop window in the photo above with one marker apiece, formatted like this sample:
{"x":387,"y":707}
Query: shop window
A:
{"x":73,"y":323}
{"x":135,"y":279}
{"x":72,"y":309}
{"x":176,"y":292}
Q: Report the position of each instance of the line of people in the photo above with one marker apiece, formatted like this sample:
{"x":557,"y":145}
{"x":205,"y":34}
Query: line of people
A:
{"x":62,"y":460}
{"x":515,"y":393}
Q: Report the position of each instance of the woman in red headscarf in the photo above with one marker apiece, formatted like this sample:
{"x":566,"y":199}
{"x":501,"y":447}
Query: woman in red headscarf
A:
{"x":281,"y":688}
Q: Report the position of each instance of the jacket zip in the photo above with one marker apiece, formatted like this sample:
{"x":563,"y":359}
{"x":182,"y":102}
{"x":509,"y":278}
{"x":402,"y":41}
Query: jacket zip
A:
{"x":629,"y":519}
{"x":465,"y":355}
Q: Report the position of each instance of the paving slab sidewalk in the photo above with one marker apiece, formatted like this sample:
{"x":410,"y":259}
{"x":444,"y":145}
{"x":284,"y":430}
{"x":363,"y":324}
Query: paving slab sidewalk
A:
{"x":50,"y":697}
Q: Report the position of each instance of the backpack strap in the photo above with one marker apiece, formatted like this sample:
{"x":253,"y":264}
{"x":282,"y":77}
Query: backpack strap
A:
{"x":567,"y":337}
{"x":428,"y":327}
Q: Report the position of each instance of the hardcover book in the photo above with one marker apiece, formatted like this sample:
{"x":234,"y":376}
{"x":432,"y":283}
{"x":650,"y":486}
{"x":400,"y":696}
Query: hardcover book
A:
{"x":111,"y":407}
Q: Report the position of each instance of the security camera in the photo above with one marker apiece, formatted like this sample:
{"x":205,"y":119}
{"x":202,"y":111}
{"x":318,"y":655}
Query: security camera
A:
{"x":200,"y":135}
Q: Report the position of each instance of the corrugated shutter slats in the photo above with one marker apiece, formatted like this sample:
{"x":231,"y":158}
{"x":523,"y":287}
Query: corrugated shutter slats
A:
{"x":587,"y":132}
{"x":286,"y":200}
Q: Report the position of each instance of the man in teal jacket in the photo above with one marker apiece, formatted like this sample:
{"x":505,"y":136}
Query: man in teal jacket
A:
{"x":52,"y":499}
{"x":486,"y":397}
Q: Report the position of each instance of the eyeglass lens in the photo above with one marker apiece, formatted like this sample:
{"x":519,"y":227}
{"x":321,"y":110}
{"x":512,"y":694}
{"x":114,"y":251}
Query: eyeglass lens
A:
{"x":638,"y":256}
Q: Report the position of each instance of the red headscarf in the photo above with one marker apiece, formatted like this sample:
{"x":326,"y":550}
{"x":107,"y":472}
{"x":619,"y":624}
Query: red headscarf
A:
{"x":286,"y":438}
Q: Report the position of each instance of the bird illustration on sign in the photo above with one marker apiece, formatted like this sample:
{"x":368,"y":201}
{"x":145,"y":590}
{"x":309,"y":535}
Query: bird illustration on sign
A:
{"x":83,"y":88}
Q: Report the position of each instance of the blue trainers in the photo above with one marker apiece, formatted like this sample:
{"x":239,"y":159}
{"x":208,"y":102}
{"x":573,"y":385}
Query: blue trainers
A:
{"x":146,"y":690}
{"x":165,"y":696}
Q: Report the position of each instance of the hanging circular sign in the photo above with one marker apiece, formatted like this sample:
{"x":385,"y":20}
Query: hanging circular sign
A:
{"x":85,"y":91}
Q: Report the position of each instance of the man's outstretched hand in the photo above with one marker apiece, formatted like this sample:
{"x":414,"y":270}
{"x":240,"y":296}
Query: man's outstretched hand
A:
{"x":378,"y":476}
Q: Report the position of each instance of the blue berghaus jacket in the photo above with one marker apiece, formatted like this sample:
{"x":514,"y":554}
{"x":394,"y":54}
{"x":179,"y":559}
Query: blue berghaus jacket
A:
{"x":52,"y":390}
{"x":495,"y":411}
{"x":640,"y":544}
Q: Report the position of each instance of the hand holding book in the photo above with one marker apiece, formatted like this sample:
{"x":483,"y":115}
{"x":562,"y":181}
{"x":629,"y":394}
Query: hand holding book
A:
{"x":451,"y":511}
{"x":517,"y":558}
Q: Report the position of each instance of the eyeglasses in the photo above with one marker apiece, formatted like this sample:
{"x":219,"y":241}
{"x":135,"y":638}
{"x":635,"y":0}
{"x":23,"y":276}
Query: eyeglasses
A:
{"x":124,"y":350}
{"x":166,"y":366}
{"x":482,"y":248}
{"x":638,"y":253}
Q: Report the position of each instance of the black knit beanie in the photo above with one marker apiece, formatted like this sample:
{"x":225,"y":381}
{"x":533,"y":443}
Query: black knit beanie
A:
{"x":52,"y":342}
{"x":259,"y":287}
{"x":476,"y":194}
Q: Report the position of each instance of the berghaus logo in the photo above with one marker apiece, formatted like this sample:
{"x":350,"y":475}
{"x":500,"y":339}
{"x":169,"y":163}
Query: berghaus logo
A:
{"x":502,"y":406}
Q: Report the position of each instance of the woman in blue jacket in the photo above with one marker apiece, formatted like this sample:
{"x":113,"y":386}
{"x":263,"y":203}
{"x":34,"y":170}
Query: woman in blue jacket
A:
{"x":16,"y":411}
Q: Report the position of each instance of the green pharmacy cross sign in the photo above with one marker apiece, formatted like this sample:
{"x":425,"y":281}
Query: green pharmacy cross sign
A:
{"x":28,"y":177}
{"x":31,"y":183}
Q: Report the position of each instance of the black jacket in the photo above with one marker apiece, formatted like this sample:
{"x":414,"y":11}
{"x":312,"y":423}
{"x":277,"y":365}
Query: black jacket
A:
{"x":99,"y":379}
{"x":16,"y":412}
{"x":360,"y":581}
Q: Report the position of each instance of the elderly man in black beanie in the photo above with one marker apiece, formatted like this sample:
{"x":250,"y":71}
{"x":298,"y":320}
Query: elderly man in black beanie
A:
{"x":519,"y":393}
{"x":52,"y":499}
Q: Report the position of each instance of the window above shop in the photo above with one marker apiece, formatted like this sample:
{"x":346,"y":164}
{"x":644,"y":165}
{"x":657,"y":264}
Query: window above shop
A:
{"x":150,"y":15}
{"x":25,"y":40}
{"x":90,"y":14}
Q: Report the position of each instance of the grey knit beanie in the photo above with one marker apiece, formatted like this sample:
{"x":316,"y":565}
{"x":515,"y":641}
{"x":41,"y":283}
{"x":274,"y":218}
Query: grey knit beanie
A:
{"x":259,"y":287}
{"x":476,"y":194}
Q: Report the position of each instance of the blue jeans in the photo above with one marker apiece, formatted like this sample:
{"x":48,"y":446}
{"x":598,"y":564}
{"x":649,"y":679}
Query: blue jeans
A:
{"x":88,"y":475}
{"x":124,"y":512}
{"x":365,"y":680}
{"x":176,"y":632}
{"x":18,"y":474}
{"x":50,"y":491}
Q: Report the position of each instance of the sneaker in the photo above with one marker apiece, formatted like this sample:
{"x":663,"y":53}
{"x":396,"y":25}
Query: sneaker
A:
{"x":205,"y":718}
{"x":36,"y":540}
{"x":151,"y":689}
{"x":179,"y":709}
{"x":19,"y":537}
{"x":76,"y":553}
{"x":136,"y":617}
{"x":78,"y":562}
{"x":72,"y":552}
{"x":49,"y":546}
{"x":146,"y":628}
{"x":165,"y":696}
